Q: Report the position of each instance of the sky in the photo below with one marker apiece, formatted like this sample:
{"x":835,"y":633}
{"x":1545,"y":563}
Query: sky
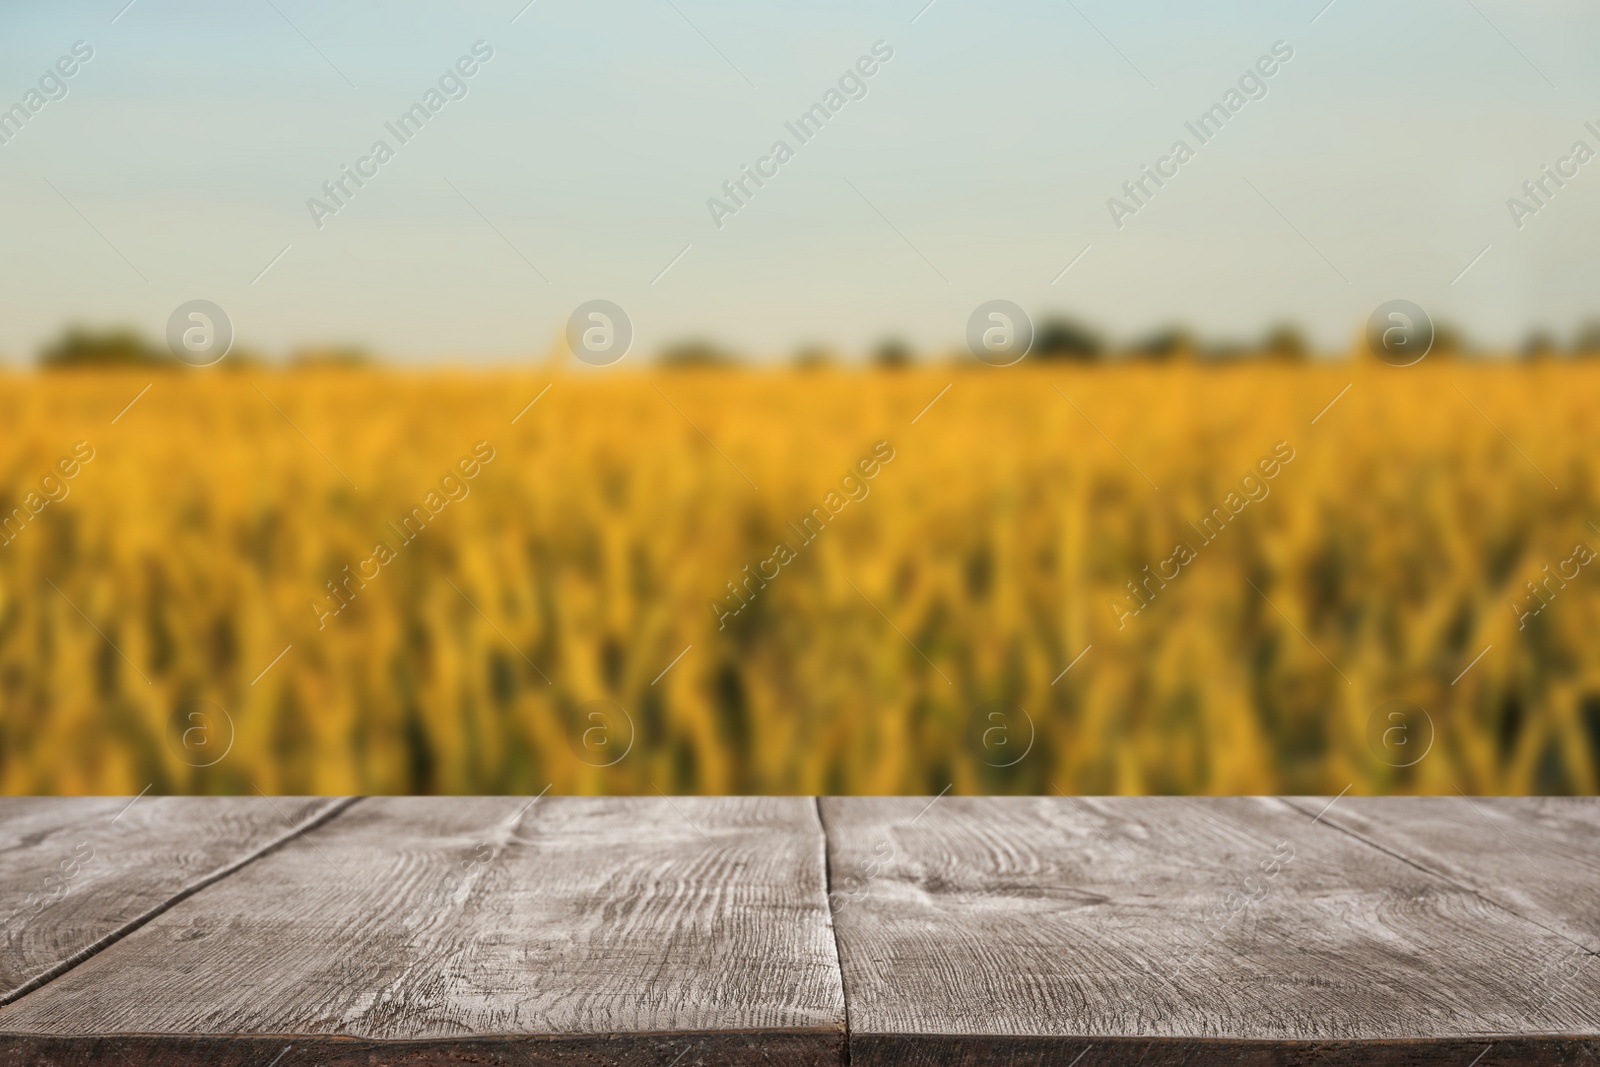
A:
{"x":978,"y":165}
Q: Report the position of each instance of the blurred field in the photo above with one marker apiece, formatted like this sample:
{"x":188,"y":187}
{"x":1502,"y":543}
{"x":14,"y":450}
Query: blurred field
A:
{"x":190,"y":551}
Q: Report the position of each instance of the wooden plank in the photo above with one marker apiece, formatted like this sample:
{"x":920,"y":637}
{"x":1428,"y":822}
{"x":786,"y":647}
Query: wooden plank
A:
{"x":1536,"y":856}
{"x":80,"y":872}
{"x":421,"y":930}
{"x":1031,"y":930}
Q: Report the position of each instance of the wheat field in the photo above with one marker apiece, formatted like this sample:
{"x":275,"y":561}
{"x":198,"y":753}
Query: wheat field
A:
{"x":209,"y":529}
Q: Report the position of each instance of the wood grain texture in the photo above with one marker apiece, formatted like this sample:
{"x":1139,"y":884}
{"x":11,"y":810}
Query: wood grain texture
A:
{"x":75,"y":872}
{"x":1536,"y":856}
{"x":656,"y":932}
{"x":422,"y":930}
{"x":1024,"y":930}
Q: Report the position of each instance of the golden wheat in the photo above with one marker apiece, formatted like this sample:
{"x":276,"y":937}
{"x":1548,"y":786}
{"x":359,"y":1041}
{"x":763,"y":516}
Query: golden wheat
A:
{"x":984,"y":558}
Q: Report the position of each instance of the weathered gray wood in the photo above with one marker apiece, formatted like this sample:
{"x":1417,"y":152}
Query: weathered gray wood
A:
{"x":1536,"y":856}
{"x":412,"y":930}
{"x":1024,"y":930}
{"x":78,"y":872}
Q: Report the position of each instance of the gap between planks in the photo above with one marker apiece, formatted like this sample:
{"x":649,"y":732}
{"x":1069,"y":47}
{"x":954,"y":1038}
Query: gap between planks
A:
{"x":98,"y":946}
{"x":1471,"y":890}
{"x":833,"y":925}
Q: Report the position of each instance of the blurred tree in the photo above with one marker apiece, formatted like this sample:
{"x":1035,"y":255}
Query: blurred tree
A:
{"x":331,"y":356}
{"x":893,"y":353}
{"x":1285,"y":342}
{"x":696,"y":353}
{"x":814,"y":357}
{"x":1227,"y":351}
{"x":1448,"y":341}
{"x":1539,"y":345}
{"x":1066,"y":339}
{"x":79,"y":346}
{"x":1587,"y":342}
{"x":1171,"y":343}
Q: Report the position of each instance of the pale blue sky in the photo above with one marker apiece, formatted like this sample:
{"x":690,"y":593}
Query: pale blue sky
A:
{"x":990,"y":142}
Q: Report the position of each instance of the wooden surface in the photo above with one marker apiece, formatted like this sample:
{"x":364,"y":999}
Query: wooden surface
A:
{"x":1536,"y":856}
{"x":428,"y":921}
{"x":1058,"y":923}
{"x":81,"y":872}
{"x":789,"y":931}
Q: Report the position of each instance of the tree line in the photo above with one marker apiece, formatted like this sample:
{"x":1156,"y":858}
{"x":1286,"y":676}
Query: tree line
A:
{"x":1057,"y":339}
